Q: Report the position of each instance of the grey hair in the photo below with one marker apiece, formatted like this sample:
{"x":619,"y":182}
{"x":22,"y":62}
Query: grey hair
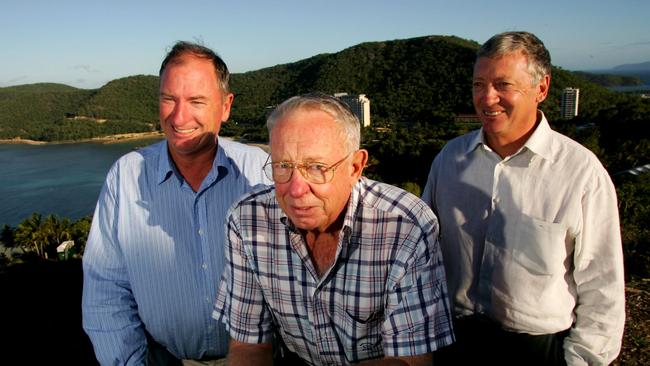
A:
{"x":539,"y":59}
{"x":349,"y":125}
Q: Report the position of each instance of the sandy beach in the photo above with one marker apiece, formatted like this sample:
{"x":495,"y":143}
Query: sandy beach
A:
{"x":103,"y":139}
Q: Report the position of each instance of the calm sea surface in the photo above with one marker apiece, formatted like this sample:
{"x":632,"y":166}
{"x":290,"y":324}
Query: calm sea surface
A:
{"x":60,"y":179}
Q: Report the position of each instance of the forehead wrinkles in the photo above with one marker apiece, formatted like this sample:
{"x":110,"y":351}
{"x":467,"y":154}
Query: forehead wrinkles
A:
{"x":304,"y":137}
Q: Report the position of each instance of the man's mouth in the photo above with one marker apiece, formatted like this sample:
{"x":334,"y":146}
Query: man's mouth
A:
{"x":492,"y":114}
{"x":184,"y":131}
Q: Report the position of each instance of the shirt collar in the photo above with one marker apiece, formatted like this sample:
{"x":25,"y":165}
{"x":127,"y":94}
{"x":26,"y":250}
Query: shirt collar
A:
{"x":539,"y":142}
{"x":166,"y":166}
{"x":476,"y":141}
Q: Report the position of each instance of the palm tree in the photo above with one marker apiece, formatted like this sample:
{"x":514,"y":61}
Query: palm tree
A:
{"x":42,"y":236}
{"x":29,"y":235}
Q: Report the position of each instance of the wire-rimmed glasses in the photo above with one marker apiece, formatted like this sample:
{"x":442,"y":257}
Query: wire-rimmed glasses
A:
{"x":313,"y":172}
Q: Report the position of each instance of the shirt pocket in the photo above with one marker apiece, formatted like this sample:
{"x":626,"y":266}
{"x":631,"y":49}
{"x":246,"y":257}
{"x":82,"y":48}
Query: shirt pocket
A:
{"x":537,"y":245}
{"x":360,"y":334}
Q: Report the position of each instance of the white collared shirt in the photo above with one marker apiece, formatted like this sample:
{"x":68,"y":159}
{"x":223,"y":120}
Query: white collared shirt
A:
{"x":533,"y":240}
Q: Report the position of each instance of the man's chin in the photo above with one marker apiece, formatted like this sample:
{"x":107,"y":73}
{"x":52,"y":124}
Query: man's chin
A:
{"x":304,"y":223}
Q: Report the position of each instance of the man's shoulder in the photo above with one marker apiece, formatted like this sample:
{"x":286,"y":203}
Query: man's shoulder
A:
{"x":259,"y":193}
{"x":259,"y":197}
{"x":461,"y":144}
{"x":237,"y":150}
{"x":150,"y":153}
{"x":245,"y":160}
{"x":393,"y":200}
{"x":571,"y":152}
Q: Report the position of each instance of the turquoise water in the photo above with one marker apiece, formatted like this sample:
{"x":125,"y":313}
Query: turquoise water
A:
{"x":61,"y":179}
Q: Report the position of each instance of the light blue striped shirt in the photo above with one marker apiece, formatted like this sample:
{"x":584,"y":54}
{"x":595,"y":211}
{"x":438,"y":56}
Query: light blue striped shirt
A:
{"x":155,"y":254}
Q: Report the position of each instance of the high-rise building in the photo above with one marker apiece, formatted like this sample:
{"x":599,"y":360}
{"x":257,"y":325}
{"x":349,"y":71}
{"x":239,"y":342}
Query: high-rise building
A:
{"x":360,"y":106}
{"x":569,"y":103}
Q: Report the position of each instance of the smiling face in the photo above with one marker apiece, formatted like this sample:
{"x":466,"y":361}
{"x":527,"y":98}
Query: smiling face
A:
{"x":192,"y":106}
{"x":309,"y":135}
{"x":505,"y":97}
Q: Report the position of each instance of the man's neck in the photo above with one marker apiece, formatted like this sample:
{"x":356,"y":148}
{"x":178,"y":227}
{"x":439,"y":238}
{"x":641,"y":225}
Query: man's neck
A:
{"x":322,"y":245}
{"x":195,"y":168}
{"x":506,"y":146}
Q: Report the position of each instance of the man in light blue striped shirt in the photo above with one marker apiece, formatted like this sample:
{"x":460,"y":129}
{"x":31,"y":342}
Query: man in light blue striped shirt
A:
{"x":155,"y":250}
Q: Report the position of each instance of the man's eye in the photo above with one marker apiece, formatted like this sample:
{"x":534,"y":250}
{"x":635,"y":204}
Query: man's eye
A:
{"x":317,"y":167}
{"x":504,"y":85}
{"x":284,"y":165}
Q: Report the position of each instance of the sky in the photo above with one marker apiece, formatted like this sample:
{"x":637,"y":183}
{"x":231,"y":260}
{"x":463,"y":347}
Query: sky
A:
{"x":87,"y":43}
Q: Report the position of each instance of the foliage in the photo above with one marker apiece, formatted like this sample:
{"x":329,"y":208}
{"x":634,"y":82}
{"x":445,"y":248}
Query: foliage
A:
{"x":609,"y":79}
{"x":133,"y":98}
{"x":54,"y":112}
{"x":423,"y":80}
{"x":403,"y":154}
{"x":634,"y":209}
{"x":41,"y":237}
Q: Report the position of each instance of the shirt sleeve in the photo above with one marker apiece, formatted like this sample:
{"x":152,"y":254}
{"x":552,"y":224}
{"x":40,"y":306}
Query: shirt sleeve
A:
{"x":418,"y":316}
{"x":240,"y":300}
{"x":110,"y":313}
{"x":596,"y":336}
{"x":430,"y":187}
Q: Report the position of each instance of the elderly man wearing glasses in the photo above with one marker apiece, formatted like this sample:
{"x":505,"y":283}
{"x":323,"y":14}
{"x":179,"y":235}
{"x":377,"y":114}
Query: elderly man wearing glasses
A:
{"x":342,"y":269}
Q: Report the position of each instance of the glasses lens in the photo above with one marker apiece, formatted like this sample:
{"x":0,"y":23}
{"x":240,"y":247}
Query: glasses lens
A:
{"x":316,"y":173}
{"x":279,"y":172}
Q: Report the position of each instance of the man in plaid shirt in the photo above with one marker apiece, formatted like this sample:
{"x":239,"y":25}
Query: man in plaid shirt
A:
{"x":341,"y":268}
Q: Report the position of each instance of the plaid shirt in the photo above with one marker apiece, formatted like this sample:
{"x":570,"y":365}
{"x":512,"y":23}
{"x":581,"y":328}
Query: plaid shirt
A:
{"x":385,"y":294}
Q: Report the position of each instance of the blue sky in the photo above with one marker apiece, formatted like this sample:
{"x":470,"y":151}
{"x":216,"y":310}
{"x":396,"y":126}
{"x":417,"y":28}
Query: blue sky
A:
{"x":86,"y":43}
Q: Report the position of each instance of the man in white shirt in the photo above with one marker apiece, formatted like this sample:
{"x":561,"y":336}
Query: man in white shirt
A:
{"x":529,"y":225}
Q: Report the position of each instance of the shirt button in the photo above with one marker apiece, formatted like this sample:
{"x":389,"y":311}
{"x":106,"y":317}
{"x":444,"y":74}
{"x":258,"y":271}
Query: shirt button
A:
{"x":204,"y":266}
{"x":200,"y":231}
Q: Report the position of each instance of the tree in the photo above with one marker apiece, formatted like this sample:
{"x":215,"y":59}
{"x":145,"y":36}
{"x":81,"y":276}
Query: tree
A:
{"x":41,"y":237}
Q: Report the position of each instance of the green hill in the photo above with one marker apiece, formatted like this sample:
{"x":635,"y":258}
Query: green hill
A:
{"x":418,"y":80}
{"x":56,"y":112}
{"x":424,"y":78}
{"x":131,"y":98}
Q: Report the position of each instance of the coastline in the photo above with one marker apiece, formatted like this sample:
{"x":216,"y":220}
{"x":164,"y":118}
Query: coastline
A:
{"x":103,"y":139}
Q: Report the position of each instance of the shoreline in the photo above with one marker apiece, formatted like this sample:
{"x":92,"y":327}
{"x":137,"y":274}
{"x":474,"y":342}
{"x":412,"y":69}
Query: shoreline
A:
{"x":103,"y":139}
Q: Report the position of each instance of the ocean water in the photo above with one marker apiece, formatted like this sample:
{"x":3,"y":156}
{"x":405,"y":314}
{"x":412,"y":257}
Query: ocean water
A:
{"x":60,"y":179}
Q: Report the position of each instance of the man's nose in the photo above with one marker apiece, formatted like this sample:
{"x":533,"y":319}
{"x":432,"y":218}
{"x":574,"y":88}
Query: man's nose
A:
{"x":178,"y":113}
{"x":489,"y":95}
{"x":298,"y":185}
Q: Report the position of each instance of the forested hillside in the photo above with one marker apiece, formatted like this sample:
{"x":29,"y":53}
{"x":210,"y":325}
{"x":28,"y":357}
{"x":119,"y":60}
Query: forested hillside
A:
{"x":55,"y":112}
{"x":418,"y":80}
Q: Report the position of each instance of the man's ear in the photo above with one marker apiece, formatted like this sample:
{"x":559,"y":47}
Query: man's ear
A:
{"x":359,"y":161}
{"x":225,"y":106}
{"x":543,"y":87}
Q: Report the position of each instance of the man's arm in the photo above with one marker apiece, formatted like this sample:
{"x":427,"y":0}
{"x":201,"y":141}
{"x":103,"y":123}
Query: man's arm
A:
{"x":418,"y":316}
{"x":596,"y":336}
{"x":110,"y":313}
{"x":243,"y":354}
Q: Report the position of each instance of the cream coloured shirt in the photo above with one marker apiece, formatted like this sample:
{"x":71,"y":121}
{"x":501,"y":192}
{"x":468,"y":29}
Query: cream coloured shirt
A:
{"x":533,"y":240}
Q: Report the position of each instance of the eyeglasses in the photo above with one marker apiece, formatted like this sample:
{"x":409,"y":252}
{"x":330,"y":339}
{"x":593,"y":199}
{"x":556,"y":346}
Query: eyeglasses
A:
{"x":318,"y":173}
